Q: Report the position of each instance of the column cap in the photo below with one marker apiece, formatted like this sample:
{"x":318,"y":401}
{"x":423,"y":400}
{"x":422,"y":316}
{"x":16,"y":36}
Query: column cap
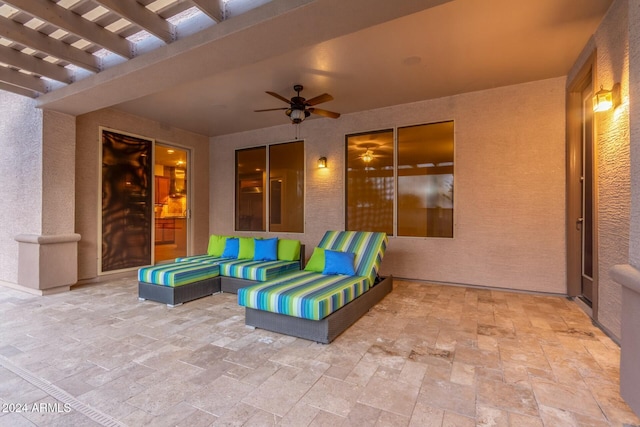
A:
{"x":47,"y":239}
{"x":627,"y":276}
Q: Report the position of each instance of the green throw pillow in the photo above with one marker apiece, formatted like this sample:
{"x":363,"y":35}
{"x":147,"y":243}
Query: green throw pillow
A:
{"x":216,"y":245}
{"x":247,"y":248}
{"x":316,"y":262}
{"x":288,"y":250}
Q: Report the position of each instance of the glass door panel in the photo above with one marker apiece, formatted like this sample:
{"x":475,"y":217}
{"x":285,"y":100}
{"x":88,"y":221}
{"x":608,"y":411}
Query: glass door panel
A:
{"x":126,"y":201}
{"x":170,"y":203}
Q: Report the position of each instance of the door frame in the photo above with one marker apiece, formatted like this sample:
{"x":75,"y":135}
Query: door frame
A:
{"x":586,"y":75}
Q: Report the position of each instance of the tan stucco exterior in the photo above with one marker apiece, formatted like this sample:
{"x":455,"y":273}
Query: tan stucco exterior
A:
{"x":509,"y":185}
{"x":87,"y":183}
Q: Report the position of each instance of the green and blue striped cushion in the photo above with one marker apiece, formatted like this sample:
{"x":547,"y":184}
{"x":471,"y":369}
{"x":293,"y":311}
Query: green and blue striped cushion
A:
{"x":177,"y":274}
{"x":368,"y":246}
{"x":304,"y":294}
{"x":201,"y":258}
{"x":312,"y":295}
{"x":257,"y":270}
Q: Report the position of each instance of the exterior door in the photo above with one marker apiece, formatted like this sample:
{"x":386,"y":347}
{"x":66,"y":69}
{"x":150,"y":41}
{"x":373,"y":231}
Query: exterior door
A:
{"x":582,"y":253}
{"x":585,"y":221}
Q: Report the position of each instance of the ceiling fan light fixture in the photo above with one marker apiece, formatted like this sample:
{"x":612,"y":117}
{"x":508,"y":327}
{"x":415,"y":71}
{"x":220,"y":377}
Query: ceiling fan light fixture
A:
{"x":297,"y":116}
{"x":367,"y":156}
{"x":300,"y":108}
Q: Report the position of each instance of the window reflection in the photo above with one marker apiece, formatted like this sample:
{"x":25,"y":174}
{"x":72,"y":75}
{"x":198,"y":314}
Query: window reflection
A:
{"x":286,"y":197}
{"x":285,"y":188}
{"x":370,"y":190}
{"x":421,"y":188}
{"x":425,"y":180}
{"x":250,"y":189}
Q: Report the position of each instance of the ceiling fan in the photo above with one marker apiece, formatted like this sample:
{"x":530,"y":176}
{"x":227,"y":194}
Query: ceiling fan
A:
{"x":300,"y":108}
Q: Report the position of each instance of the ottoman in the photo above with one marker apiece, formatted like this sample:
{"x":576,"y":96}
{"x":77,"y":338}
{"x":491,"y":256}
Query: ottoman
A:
{"x":175,"y":283}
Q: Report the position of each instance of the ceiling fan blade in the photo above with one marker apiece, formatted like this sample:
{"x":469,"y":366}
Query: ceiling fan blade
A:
{"x":325,"y":113}
{"x":271,"y":109}
{"x":280,"y":97}
{"x":325,"y":97}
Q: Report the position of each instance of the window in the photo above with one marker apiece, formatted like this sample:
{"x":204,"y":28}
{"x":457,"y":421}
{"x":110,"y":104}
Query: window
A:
{"x":370,"y":181}
{"x":409,"y":172}
{"x":284,"y":192}
{"x":250,"y":188}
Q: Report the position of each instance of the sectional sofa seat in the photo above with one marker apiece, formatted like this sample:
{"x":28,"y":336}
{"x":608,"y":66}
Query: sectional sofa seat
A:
{"x":236,"y":261}
{"x":322,"y":301}
{"x":175,"y":283}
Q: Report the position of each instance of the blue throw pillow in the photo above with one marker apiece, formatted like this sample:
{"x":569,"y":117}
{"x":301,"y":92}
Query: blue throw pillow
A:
{"x":266,"y":249}
{"x":336,"y":262}
{"x":231,"y":248}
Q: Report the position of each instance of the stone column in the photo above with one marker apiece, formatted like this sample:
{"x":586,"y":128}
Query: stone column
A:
{"x":48,"y":253}
{"x":629,"y":275}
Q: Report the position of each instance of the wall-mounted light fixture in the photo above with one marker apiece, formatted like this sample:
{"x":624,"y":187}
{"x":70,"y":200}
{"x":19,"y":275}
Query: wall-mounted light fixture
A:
{"x":605,"y":100}
{"x":322,"y":162}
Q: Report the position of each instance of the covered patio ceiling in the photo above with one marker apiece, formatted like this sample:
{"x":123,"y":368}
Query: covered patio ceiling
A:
{"x":204,"y":65}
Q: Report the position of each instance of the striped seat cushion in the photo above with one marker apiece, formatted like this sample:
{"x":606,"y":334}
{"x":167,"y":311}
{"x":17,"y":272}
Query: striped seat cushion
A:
{"x":178,"y":274}
{"x":304,"y":294}
{"x":368,"y":246}
{"x":201,"y":258}
{"x":257,"y":270}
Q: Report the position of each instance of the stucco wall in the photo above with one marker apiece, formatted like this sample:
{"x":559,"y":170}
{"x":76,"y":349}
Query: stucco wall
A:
{"x":634,"y":132}
{"x":20,"y":175}
{"x":58,"y":173}
{"x":613,"y":159}
{"x":509,"y":185}
{"x":87,"y":176}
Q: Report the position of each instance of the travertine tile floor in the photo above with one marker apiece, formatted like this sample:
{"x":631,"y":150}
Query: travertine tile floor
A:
{"x":428,"y":355}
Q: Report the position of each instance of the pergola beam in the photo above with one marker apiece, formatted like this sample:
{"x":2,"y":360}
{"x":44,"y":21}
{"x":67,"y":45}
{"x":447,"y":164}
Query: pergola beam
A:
{"x":143,"y":17}
{"x":22,"y":80}
{"x":20,"y":34}
{"x":214,"y":9}
{"x":18,"y":90}
{"x":35,"y":65}
{"x":60,"y":17}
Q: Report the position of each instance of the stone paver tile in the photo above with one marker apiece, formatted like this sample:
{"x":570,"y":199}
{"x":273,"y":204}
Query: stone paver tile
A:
{"x":362,"y":415}
{"x":300,"y":415}
{"x":390,"y":396}
{"x":509,"y":397}
{"x":448,"y":396}
{"x":487,"y":416}
{"x":451,"y":419}
{"x":220,"y":396}
{"x":332,"y":395}
{"x":276,"y":396}
{"x":392,"y":419}
{"x":567,"y":398}
{"x":424,"y":415}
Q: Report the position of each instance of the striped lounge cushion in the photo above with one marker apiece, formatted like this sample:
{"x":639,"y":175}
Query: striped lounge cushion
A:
{"x":201,"y":258}
{"x":304,"y":294}
{"x":368,"y":246}
{"x":178,"y":274}
{"x":257,"y":270}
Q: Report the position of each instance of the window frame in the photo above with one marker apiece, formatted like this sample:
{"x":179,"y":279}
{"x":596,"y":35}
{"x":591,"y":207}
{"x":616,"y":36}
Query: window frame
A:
{"x":395,"y":129}
{"x":267,"y":187}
